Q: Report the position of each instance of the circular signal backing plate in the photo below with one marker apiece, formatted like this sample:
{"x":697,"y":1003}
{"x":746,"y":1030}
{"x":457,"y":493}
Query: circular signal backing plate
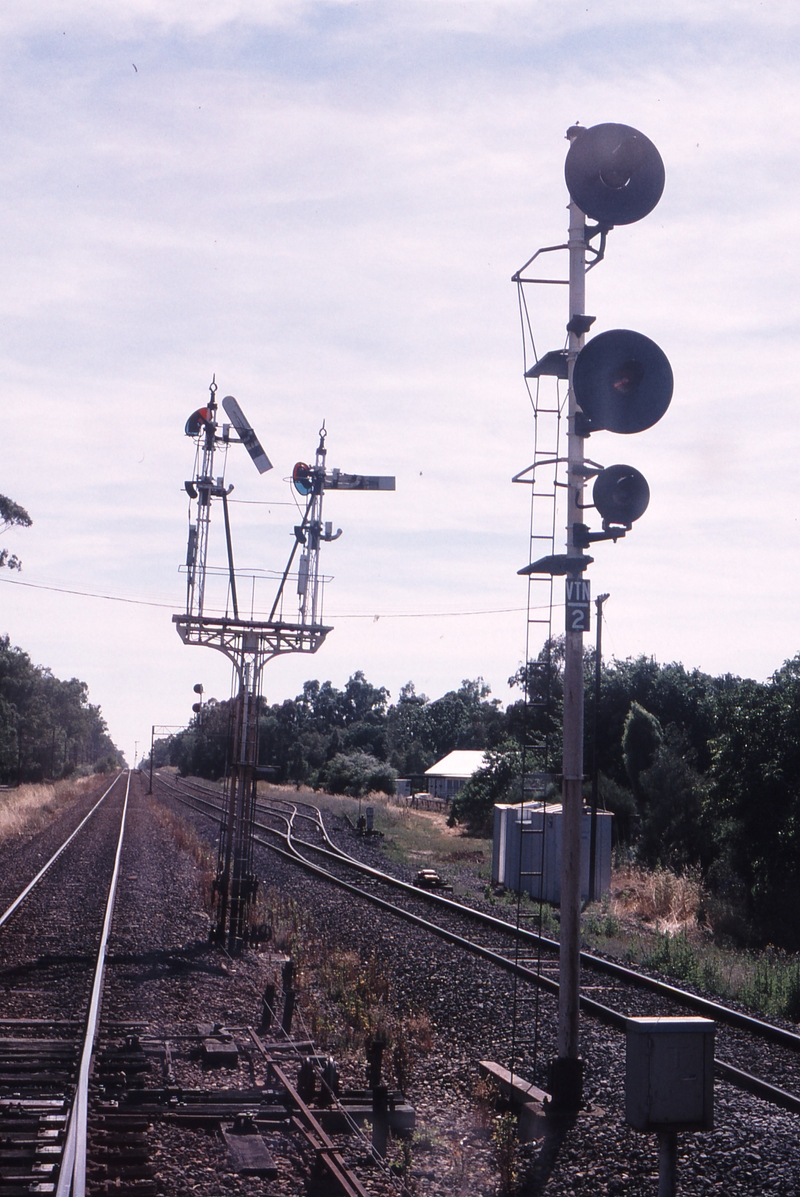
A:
{"x":623,"y":381}
{"x":614,"y":174}
{"x":621,"y":494}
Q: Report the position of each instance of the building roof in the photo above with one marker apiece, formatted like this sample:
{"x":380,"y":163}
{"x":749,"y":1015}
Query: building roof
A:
{"x":460,"y":764}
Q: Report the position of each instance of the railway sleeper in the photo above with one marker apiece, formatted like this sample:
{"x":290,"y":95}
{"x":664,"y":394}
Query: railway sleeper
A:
{"x":130,"y":1153}
{"x":142,"y":1171}
{"x":30,"y":1153}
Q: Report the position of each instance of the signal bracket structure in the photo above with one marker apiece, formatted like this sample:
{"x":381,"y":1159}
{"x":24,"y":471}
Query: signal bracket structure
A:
{"x":250,"y":642}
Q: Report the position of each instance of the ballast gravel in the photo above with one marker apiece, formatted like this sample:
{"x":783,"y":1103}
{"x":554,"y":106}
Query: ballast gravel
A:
{"x":165,"y":973}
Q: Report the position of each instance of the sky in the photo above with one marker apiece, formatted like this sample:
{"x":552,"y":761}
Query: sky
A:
{"x":322,"y":205}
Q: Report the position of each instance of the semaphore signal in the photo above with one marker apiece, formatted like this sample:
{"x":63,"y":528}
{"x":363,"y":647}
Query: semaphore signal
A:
{"x":243,"y":635}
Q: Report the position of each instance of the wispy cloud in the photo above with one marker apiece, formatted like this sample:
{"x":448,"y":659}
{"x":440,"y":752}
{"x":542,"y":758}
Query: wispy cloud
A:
{"x":323,"y":203}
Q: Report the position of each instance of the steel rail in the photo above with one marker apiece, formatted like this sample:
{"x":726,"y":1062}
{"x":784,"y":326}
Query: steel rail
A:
{"x":72,"y":1175}
{"x":738,"y":1077}
{"x":734,"y":1018}
{"x":19,"y":900}
{"x":326,"y":1151}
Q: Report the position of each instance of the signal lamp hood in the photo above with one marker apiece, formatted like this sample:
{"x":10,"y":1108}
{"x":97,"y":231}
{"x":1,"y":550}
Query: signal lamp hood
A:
{"x":196,"y":421}
{"x":614,"y":174}
{"x":301,"y":477}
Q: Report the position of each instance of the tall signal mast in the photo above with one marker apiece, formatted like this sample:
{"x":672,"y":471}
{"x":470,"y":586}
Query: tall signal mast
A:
{"x":620,"y":382}
{"x":248,"y":641}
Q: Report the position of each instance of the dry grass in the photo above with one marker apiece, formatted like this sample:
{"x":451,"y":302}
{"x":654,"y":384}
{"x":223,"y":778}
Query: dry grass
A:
{"x":666,"y":901}
{"x":188,"y":841}
{"x":344,"y":998}
{"x":30,"y":808}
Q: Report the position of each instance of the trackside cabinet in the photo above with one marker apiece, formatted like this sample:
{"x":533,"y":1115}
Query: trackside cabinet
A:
{"x":669,"y":1083}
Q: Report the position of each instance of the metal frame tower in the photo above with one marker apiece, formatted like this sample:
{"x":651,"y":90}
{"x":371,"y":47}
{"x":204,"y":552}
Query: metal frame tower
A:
{"x":249,"y":642}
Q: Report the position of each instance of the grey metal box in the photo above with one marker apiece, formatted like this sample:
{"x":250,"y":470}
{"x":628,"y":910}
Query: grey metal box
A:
{"x":526,"y":849}
{"x":669,"y":1082}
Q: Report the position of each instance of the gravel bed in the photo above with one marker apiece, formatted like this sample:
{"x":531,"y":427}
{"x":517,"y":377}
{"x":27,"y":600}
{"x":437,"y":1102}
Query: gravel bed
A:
{"x":26,"y":852}
{"x":48,"y":946}
{"x":470,"y":1010}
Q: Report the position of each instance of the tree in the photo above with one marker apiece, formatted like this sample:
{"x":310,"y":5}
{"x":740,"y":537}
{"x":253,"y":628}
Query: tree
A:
{"x":48,"y":727}
{"x":641,"y":739}
{"x":537,"y":720}
{"x":687,"y":700}
{"x":672,"y":829}
{"x":11,"y":516}
{"x":754,"y":806}
{"x":406,"y":731}
{"x":358,"y":773}
{"x":499,"y":780}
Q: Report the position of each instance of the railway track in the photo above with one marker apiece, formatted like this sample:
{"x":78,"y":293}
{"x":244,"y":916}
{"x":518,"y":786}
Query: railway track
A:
{"x":48,"y":1032}
{"x":104,"y":1085}
{"x":753,"y":1055}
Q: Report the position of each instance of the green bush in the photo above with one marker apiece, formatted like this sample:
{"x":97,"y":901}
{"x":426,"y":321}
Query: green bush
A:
{"x":675,"y":956}
{"x":357,"y":773}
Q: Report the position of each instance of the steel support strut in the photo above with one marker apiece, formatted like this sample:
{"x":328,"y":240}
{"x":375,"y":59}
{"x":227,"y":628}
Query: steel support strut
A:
{"x":235,"y":884}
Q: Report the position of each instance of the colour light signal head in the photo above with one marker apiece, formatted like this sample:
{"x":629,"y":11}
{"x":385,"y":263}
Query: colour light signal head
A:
{"x":623,"y":381}
{"x":621,"y":495}
{"x":614,"y":174}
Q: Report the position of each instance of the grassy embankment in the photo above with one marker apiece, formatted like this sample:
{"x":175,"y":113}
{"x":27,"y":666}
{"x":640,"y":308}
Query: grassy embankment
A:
{"x":29,"y":808}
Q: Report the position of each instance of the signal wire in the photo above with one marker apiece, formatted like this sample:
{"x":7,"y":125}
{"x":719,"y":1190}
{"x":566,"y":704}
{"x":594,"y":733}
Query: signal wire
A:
{"x":116,"y":598}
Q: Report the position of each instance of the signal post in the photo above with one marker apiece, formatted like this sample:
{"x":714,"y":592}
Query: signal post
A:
{"x":619,"y":382}
{"x":566,"y":1071}
{"x":247,"y":640}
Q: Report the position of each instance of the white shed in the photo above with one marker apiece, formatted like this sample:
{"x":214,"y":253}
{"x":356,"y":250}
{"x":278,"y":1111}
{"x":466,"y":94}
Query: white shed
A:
{"x":448,"y":775}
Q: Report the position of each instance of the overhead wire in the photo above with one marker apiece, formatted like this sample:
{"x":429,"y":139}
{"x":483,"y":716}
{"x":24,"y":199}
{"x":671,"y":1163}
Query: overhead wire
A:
{"x":117,"y":598}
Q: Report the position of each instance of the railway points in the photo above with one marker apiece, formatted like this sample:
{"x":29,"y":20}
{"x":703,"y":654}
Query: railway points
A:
{"x":198,"y":1055}
{"x":748,"y":1059}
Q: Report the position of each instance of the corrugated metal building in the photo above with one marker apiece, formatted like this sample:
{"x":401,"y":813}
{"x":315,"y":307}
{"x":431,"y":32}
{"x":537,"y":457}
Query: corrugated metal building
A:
{"x":526,"y":850}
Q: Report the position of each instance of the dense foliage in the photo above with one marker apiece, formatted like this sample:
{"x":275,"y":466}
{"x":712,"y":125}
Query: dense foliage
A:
{"x":328,"y":737}
{"x":701,"y":772}
{"x":11,"y":516}
{"x":48,"y":727}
